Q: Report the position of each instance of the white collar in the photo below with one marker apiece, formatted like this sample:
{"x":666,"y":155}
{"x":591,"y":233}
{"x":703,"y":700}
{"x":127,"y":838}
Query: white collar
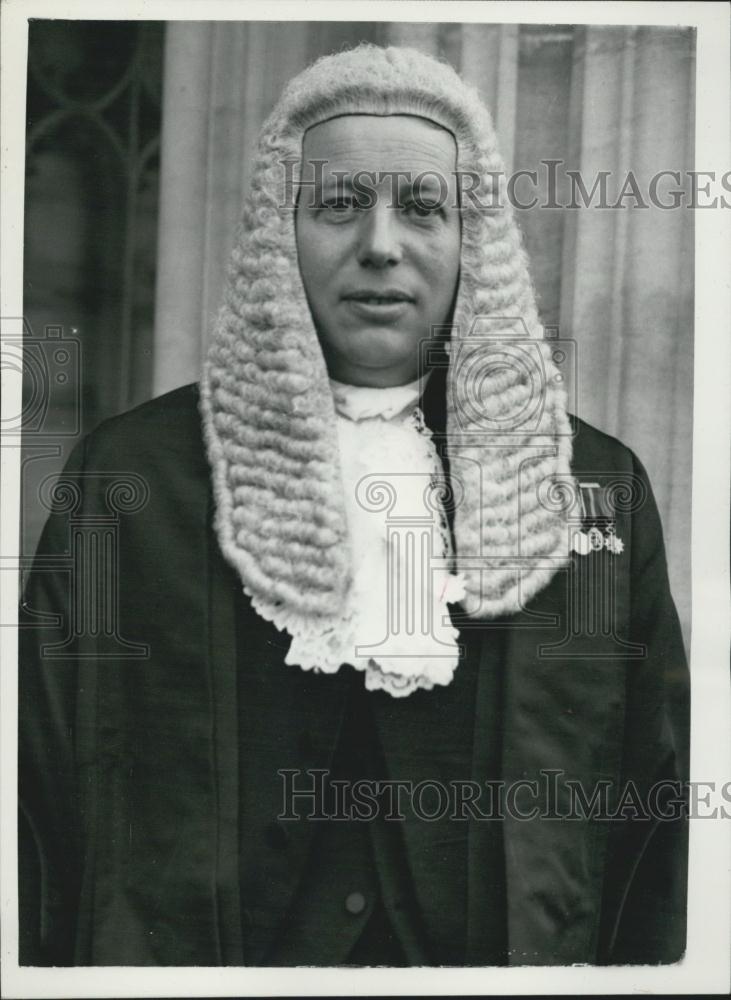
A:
{"x":361,"y":402}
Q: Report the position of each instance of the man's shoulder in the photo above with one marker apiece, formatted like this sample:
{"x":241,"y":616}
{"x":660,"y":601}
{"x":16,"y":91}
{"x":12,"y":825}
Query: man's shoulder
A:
{"x":160,"y":413}
{"x":596,"y":451}
{"x":170,"y":425}
{"x":166,"y":426}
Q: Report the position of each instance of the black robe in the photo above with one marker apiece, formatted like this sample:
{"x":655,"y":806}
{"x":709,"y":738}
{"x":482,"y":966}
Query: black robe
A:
{"x":137,"y":794}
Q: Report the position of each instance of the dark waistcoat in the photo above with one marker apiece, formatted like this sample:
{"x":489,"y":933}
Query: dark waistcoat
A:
{"x":355,"y":890}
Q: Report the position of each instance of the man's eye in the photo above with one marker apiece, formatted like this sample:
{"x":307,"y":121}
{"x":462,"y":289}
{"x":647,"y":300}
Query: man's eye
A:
{"x":423,"y":209}
{"x":341,"y":205}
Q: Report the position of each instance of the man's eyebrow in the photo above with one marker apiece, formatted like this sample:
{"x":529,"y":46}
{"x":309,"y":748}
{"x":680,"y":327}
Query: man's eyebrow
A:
{"x":429,"y":181}
{"x":403,"y":184}
{"x":337,"y":181}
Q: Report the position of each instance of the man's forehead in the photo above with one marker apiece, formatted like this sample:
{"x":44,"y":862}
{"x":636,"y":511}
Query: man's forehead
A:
{"x":379,"y":142}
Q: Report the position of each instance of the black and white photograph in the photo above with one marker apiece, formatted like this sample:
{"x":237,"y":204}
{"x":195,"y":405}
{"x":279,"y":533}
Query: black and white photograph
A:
{"x":365,"y":498}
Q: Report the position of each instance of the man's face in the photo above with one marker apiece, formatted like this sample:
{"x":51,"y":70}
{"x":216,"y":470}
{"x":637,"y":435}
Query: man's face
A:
{"x":380,"y":265}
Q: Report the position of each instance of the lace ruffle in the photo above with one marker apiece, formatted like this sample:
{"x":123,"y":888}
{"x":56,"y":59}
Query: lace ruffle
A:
{"x":395,"y":624}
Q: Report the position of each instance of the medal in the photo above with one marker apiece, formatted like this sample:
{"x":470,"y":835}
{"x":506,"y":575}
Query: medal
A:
{"x":612,"y":543}
{"x":580,"y":543}
{"x":598,"y":530}
{"x":596,"y":539}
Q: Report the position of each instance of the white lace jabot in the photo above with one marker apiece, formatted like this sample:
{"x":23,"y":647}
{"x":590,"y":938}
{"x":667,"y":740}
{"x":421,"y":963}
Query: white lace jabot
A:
{"x":395,"y":626}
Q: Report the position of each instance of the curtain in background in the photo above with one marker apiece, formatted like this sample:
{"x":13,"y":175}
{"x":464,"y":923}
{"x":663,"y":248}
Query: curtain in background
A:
{"x":617,"y":282}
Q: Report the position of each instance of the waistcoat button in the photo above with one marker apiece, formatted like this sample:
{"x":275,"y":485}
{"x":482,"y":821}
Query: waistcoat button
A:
{"x":355,"y":903}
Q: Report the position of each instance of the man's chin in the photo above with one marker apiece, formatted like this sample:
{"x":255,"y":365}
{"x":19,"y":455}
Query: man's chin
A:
{"x":376,"y":374}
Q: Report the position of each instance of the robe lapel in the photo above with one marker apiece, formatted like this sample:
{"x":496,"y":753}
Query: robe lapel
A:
{"x":547,"y":707}
{"x":223,"y":592}
{"x":152,"y":811}
{"x":486,"y":914}
{"x":563,"y":707}
{"x":268,"y":717}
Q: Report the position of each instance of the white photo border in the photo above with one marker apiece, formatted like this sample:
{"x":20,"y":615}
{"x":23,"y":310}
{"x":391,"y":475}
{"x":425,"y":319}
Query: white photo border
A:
{"x":707,"y":962}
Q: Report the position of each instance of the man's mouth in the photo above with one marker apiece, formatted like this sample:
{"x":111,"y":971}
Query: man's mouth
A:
{"x":386,"y":297}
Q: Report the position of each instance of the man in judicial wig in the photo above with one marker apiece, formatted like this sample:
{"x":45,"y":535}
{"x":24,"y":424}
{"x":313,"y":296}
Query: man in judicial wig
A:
{"x":411,"y":671}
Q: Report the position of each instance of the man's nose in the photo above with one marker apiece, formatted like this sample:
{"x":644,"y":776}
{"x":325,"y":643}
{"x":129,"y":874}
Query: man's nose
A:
{"x":379,"y":240}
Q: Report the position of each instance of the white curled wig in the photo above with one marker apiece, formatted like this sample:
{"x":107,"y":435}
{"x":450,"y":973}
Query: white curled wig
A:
{"x":266,"y":401}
